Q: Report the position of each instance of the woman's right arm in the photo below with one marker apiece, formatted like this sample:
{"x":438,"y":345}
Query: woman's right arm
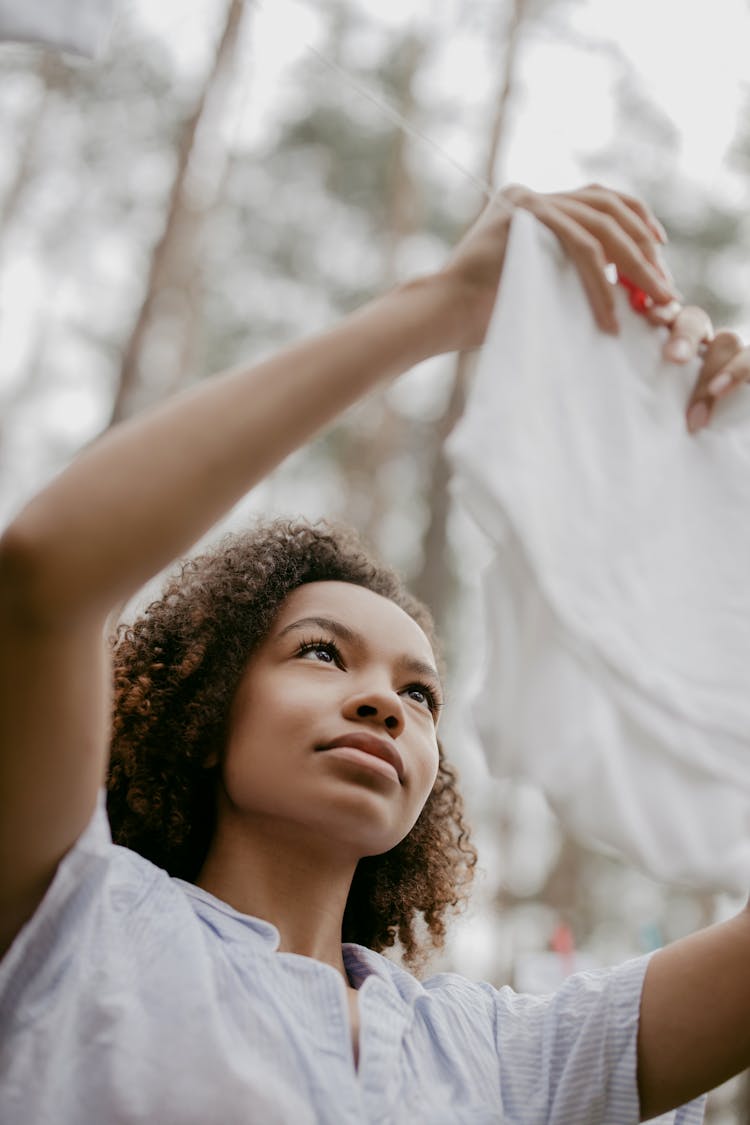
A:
{"x":130,"y":504}
{"x":143,"y":494}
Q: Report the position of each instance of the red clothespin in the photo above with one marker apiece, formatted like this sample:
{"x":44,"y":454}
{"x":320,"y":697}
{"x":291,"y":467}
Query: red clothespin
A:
{"x":639,"y":300}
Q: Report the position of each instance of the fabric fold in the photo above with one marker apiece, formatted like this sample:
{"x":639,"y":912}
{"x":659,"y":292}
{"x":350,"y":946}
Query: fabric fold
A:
{"x":616,"y":603}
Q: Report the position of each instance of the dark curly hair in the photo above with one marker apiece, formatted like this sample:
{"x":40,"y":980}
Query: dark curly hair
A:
{"x":176,"y":670}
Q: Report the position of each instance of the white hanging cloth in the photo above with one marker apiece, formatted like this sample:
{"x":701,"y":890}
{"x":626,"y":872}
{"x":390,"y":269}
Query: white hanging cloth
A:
{"x":616,"y":604}
{"x":78,"y":26}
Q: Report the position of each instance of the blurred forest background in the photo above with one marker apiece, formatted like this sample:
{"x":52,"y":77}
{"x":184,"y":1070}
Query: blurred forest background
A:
{"x":224,"y":180}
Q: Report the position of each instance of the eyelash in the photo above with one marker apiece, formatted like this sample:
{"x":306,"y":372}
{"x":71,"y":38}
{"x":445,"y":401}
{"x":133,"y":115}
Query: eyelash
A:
{"x":433,"y":703}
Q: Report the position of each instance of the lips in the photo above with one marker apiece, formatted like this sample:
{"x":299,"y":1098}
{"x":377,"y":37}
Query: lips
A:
{"x":370,"y":744}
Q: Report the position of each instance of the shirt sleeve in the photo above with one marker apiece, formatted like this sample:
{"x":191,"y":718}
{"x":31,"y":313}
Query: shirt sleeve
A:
{"x":43,"y":946}
{"x":570,"y":1058}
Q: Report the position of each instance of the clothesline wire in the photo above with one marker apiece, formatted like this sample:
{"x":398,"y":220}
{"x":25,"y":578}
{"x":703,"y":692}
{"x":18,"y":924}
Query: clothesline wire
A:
{"x":399,"y":120}
{"x":393,"y":114}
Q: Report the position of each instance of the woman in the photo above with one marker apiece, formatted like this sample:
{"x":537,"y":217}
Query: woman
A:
{"x":275,"y":749}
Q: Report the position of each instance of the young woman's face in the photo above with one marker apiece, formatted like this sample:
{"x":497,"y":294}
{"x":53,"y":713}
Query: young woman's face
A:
{"x":341,"y":666}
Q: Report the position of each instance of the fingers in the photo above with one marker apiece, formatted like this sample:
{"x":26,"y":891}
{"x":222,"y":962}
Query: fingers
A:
{"x":643,"y":212}
{"x":689,"y":329}
{"x":641,"y":209}
{"x":726,"y":362}
{"x":726,"y":367}
{"x":597,"y":227}
{"x":631,"y":247}
{"x":664,"y":315}
{"x":635,"y":219}
{"x":589,"y":259}
{"x":583,"y":248}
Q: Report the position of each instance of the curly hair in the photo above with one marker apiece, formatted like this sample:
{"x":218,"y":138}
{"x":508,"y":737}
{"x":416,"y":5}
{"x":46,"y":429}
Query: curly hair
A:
{"x":176,"y":671}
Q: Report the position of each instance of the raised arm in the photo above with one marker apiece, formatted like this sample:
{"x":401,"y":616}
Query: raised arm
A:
{"x":694,"y":1030}
{"x":123,"y":510}
{"x":143,"y":494}
{"x":146,"y":491}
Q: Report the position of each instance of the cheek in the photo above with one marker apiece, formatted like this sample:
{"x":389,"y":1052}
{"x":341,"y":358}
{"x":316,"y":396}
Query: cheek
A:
{"x":427,"y":773}
{"x":422,"y":783}
{"x":245,"y":772}
{"x":265,"y":718}
{"x":254,"y":757}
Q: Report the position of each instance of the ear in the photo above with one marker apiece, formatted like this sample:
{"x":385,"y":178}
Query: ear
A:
{"x":212,"y":760}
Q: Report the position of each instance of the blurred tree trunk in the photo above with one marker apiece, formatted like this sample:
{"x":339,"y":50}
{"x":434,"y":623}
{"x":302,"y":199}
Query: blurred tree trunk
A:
{"x":435,"y":581}
{"x":402,"y":207}
{"x":382,"y":432}
{"x":167,"y":327}
{"x":24,"y":158}
{"x":49,"y":70}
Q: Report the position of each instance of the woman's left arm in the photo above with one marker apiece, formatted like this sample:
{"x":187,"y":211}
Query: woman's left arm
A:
{"x":694,"y":1030}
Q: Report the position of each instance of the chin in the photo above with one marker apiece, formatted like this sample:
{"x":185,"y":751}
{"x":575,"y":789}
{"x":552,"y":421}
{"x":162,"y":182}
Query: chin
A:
{"x":362,"y":830}
{"x":368,"y":840}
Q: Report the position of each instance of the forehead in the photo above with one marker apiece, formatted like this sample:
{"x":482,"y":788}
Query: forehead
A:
{"x":379,"y":620}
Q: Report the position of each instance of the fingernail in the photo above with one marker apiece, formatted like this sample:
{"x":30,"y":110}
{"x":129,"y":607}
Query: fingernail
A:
{"x":668,"y":290}
{"x":678,"y":350}
{"x":697,"y":417}
{"x":719,"y":383}
{"x":660,"y":231}
{"x":675,"y":294}
{"x":667,"y":312}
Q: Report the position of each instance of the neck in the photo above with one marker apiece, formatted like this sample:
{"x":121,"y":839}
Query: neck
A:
{"x":273,"y":871}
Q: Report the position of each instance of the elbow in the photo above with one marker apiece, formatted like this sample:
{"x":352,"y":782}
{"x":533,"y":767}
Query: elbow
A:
{"x":45,"y":577}
{"x":26,"y":564}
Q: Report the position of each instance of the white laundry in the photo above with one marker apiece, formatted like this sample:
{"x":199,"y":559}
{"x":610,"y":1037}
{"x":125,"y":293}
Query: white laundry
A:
{"x":617,"y":599}
{"x":79,"y":26}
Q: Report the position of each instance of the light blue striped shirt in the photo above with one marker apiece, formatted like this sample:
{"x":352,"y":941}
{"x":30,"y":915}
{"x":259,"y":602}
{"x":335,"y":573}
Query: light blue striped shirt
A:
{"x":134,"y":997}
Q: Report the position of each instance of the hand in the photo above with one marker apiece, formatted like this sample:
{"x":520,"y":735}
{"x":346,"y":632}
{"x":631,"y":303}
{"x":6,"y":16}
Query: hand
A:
{"x":726,"y":360}
{"x":595,"y":225}
{"x":598,"y":227}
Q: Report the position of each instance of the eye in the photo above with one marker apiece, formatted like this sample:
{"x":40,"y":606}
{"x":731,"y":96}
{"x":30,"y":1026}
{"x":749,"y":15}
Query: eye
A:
{"x":325,"y":652}
{"x":424,"y":695}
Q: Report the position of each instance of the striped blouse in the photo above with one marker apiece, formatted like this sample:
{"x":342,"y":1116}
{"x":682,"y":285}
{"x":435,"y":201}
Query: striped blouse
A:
{"x":134,"y":997}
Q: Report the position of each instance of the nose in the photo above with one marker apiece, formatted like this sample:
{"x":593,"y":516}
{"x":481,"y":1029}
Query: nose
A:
{"x":381,"y":708}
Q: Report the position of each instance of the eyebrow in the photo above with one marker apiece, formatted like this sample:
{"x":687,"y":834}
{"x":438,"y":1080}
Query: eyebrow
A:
{"x":344,"y":633}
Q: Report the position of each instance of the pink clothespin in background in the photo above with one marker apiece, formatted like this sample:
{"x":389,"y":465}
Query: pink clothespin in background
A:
{"x":562,"y":943}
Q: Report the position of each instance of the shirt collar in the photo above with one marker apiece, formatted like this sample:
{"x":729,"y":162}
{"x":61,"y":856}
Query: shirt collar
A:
{"x":360,"y":962}
{"x":208,"y":907}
